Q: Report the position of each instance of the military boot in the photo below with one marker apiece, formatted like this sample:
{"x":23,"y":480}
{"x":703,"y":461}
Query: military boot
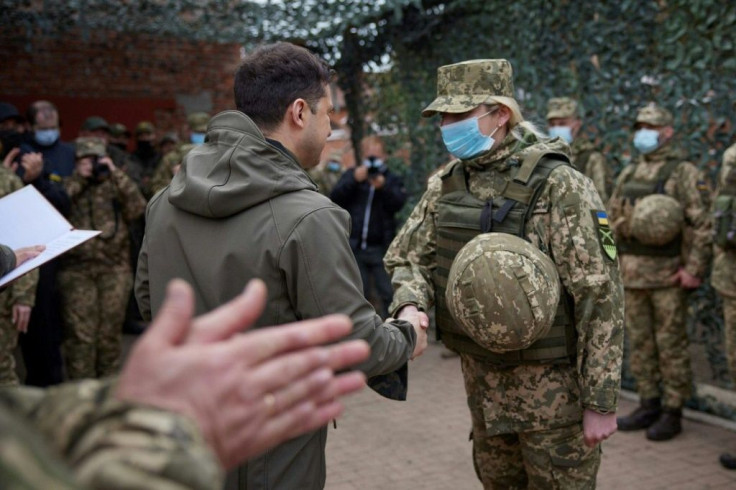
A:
{"x":645,"y":415}
{"x":728,"y":461}
{"x":667,"y":426}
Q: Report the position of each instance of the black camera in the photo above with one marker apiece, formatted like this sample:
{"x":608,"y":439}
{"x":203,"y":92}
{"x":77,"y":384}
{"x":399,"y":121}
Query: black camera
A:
{"x":99,"y":170}
{"x":375,"y":166}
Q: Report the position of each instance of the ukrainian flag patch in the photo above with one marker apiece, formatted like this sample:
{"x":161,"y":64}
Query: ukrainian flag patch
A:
{"x":605,"y":234}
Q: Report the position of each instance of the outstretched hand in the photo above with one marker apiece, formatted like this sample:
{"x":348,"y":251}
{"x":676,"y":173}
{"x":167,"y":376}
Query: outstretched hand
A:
{"x":248,"y":392}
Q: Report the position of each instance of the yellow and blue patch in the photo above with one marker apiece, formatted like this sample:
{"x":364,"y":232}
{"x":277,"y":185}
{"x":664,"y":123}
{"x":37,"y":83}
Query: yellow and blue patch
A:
{"x":605,"y":234}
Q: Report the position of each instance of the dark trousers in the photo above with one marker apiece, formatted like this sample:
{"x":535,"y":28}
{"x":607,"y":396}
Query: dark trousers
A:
{"x":41,"y":346}
{"x":370,"y":263}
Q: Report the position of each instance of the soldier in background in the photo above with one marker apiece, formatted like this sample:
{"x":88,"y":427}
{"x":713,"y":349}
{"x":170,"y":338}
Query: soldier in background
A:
{"x":723,"y":276}
{"x":119,"y":136}
{"x":541,"y":397}
{"x":169,"y":142}
{"x":17,"y":300}
{"x":327,"y":173}
{"x":197,"y":123}
{"x":655,"y":204}
{"x":563,"y":120}
{"x":169,"y":166}
{"x":145,"y":157}
{"x":96,"y":278}
{"x":97,"y":127}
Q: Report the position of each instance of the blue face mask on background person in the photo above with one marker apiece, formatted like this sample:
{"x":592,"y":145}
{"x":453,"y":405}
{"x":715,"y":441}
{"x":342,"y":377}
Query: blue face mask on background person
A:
{"x":564,"y":132}
{"x":197,"y":138}
{"x":646,"y":140}
{"x":333,"y":166}
{"x":46,"y":137}
{"x":464,"y":140}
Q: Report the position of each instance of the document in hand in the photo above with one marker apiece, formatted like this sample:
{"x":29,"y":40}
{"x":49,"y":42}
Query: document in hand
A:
{"x":27,"y":219}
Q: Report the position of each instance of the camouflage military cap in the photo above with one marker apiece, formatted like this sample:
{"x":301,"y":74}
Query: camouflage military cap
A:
{"x":657,"y":219}
{"x":464,"y":86}
{"x":144,"y":127}
{"x":170,"y":136}
{"x":90,"y":147}
{"x":197,"y":121}
{"x":119,"y":129}
{"x":94,"y":123}
{"x":503,"y":292}
{"x":562,"y":107}
{"x":654,"y":115}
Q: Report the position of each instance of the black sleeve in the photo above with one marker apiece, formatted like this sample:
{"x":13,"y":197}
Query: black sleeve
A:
{"x":345,"y":189}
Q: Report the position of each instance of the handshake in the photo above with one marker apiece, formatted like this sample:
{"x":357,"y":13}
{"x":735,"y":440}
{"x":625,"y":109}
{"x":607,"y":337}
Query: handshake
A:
{"x":420,"y":321}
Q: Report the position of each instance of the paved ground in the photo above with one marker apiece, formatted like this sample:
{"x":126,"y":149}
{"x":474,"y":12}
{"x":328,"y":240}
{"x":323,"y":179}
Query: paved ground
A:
{"x":423,"y":443}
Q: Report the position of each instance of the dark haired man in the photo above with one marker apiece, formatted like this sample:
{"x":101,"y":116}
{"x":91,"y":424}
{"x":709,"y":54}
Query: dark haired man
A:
{"x":242,"y":206}
{"x":58,"y":156}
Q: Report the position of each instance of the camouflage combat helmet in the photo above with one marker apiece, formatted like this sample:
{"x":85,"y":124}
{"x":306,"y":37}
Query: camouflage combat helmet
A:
{"x":654,"y":115}
{"x":657,"y":219}
{"x":503,"y":292}
{"x":462,"y":87}
{"x":561,"y":107}
{"x":89,"y":146}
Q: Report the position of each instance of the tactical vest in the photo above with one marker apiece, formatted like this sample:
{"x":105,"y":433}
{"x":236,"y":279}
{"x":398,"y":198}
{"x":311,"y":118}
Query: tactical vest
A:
{"x":632,"y":191}
{"x":461,"y":217}
{"x":724,"y":228}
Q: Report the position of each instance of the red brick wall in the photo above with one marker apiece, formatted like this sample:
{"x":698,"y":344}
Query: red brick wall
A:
{"x":122,"y":77}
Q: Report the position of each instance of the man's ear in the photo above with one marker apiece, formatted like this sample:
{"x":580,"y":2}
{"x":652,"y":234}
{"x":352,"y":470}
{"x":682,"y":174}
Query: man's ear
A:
{"x":296,"y":112}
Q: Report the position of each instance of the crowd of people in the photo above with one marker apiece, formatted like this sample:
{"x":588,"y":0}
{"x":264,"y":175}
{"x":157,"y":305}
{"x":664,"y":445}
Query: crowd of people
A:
{"x":524,"y":243}
{"x":69,"y":315}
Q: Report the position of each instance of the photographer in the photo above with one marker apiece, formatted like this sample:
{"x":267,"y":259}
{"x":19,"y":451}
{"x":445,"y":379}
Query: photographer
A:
{"x":95,"y":278}
{"x":372,"y":195}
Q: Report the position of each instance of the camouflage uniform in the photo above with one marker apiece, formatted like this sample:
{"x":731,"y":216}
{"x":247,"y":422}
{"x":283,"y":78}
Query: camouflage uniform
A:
{"x":197,"y":122}
{"x":327,"y":174}
{"x":78,"y":436}
{"x":165,"y":170}
{"x":655,"y":305}
{"x":527,"y":419}
{"x":584,"y":156}
{"x":723,"y":276}
{"x":20,"y":292}
{"x":95,"y":278}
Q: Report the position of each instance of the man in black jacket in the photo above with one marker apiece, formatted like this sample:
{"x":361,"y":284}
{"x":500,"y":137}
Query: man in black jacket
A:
{"x":372,"y":195}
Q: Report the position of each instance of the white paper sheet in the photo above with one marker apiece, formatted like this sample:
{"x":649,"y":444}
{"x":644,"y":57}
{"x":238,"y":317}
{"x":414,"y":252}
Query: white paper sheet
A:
{"x":27,"y":219}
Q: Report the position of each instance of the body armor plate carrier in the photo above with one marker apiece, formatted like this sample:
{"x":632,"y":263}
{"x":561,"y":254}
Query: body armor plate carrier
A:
{"x":462,"y":216}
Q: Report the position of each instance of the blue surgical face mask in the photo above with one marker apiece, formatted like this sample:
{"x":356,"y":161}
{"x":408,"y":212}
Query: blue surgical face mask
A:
{"x":46,"y":137}
{"x":564,"y":132}
{"x":197,"y":138}
{"x":646,"y":140}
{"x":333,"y":166}
{"x":464,"y":140}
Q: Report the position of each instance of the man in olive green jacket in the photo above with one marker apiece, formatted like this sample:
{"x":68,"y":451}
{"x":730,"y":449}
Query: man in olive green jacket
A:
{"x":242,"y":207}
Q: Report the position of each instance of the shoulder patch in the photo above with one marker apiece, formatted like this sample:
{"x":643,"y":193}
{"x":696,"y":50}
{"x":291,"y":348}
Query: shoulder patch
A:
{"x":605,"y":233}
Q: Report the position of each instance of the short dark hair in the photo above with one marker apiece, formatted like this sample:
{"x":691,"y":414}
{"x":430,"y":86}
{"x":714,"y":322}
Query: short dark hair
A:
{"x":273,"y":76}
{"x":37,"y":107}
